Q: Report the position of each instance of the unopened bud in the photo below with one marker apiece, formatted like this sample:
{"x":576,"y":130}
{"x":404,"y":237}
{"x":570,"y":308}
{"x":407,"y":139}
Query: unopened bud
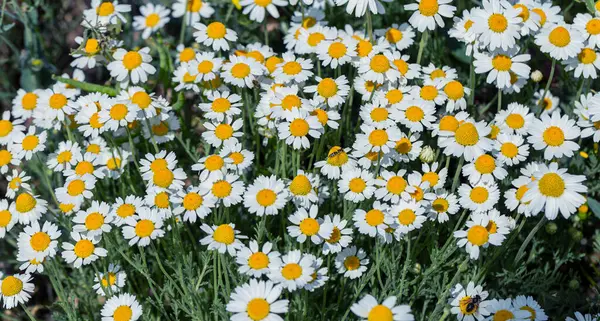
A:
{"x":551,"y":228}
{"x":574,"y":284}
{"x":537,"y":76}
{"x":427,"y":155}
{"x":417,"y":268}
{"x":583,"y":212}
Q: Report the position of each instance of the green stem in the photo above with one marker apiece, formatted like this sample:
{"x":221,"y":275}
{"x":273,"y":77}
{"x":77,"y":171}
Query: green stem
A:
{"x":548,"y":83}
{"x":31,"y":317}
{"x":457,"y":174}
{"x":499,"y":99}
{"x":183,"y":27}
{"x":529,"y":238}
{"x":86,"y":86}
{"x":422,"y":46}
{"x":369,"y":25}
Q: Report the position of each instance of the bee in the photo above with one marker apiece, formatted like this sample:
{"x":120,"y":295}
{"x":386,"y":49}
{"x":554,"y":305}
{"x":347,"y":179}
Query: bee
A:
{"x":335,"y":153}
{"x":472,"y":303}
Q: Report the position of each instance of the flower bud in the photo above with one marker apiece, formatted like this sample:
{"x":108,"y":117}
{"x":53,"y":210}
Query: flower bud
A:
{"x":417,"y":268}
{"x":551,"y":228}
{"x":574,"y":284}
{"x":583,"y":212}
{"x":537,"y":76}
{"x":427,"y":154}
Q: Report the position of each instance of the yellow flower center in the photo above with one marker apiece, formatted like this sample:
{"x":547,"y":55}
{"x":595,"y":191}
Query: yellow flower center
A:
{"x":291,"y":271}
{"x":221,"y":189}
{"x":351,"y":263}
{"x":478,"y":235}
{"x":11,"y":286}
{"x":394,"y":96}
{"x":109,"y":280}
{"x":440,"y":205}
{"x":144,"y":228}
{"x":141,"y":99}
{"x":5,"y":157}
{"x":502,"y":63}
{"x":315,"y":38}
{"x":593,"y":26}
{"x":554,"y":136}
{"x":551,"y":185}
{"x":5,"y":127}
{"x":380,"y":63}
{"x":161,"y":200}
{"x":448,"y":123}
{"x":163,"y":177}
{"x":84,"y":167}
{"x":29,"y":101}
{"x":186,"y":54}
{"x":379,"y":114}
{"x":560,"y":37}
{"x":381,"y":312}
{"x":454,"y":90}
{"x":327,"y":88}
{"x":224,"y":131}
{"x":40,"y":241}
{"x":321,"y":116}
{"x":364,"y":48}
{"x":76,"y":187}
{"x":105,"y":9}
{"x":192,"y":201}
{"x":152,"y":20}
{"x":497,"y":23}
{"x":93,"y":148}
{"x":258,"y":261}
{"x":357,"y":185}
{"x":214,"y":162}
{"x":406,"y":217}
{"x":401,"y":65}
{"x":393,"y":35}
{"x":414,"y":114}
{"x":118,"y":111}
{"x":220,"y":105}
{"x":240,"y":70}
{"x":258,"y":308}
{"x":509,"y":150}
{"x":396,"y":185}
{"x":292,"y":68}
{"x":94,"y":221}
{"x":299,"y":127}
{"x":468,"y":24}
{"x":542,"y":15}
{"x":520,"y":192}
{"x":587,"y":56}
{"x":428,"y":8}
{"x":266,"y":197}
{"x":237,"y":157}
{"x":290,"y":101}
{"x":485,"y":164}
{"x":403,"y":146}
{"x":132,"y":60}
{"x":64,"y":157}
{"x":84,"y":248}
{"x":57,"y":101}
{"x":515,"y":121}
{"x":524,"y":11}
{"x":309,"y":226}
{"x":374,"y":217}
{"x":216,"y":30}
{"x":479,"y":194}
{"x":528,"y":308}
{"x":466,"y":134}
{"x":272,"y":63}
{"x":463,"y":304}
{"x":5,"y":217}
{"x":125,"y":210}
{"x":337,"y":50}
{"x":309,"y":22}
{"x":122,"y":313}
{"x":378,"y":137}
{"x":300,"y":185}
{"x":336,"y":236}
{"x":25,"y":202}
{"x":491,"y":227}
{"x":194,"y":5}
{"x":337,"y":156}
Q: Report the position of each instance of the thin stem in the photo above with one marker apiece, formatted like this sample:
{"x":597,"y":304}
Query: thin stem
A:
{"x":529,"y":238}
{"x":369,"y":25}
{"x":31,"y":317}
{"x":457,"y":174}
{"x":422,"y":46}
{"x":183,"y":27}
{"x":541,"y":102}
{"x":499,"y":99}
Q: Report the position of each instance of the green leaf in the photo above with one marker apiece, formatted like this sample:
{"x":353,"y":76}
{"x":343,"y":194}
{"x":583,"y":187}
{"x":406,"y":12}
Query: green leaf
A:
{"x":86,"y":86}
{"x":594,"y":206}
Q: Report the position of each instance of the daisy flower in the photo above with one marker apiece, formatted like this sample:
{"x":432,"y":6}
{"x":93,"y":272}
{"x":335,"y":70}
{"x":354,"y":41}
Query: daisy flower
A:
{"x":340,"y":236}
{"x":255,"y":262}
{"x":528,"y":303}
{"x":554,"y":134}
{"x":531,"y":20}
{"x":428,"y":14}
{"x":561,"y":41}
{"x":461,"y":297}
{"x":511,"y":149}
{"x":306,"y":226}
{"x":371,"y":222}
{"x":124,"y":208}
{"x":415,"y":114}
{"x":589,"y":27}
{"x":498,"y":223}
{"x":369,"y":309}
{"x":357,"y":185}
{"x":104,"y":13}
{"x":192,"y":204}
{"x":223,"y":238}
{"x":407,"y":70}
{"x":477,"y":235}
{"x":297,"y":127}
{"x":330,"y":91}
{"x":162,"y":129}
{"x":351,"y":262}
{"x":16,"y":182}
{"x":337,"y":52}
{"x":236,"y":158}
{"x":378,"y":67}
{"x":401,"y":36}
{"x":221,"y":105}
{"x":84,"y":252}
{"x":29,"y":265}
{"x":293,"y":271}
{"x":499,"y":66}
{"x":514,"y":196}
{"x":406,"y":216}
{"x":585,"y":63}
{"x":39,"y":242}
{"x":484,"y":168}
{"x":25,"y":145}
{"x":215,"y":35}
{"x":441,"y":205}
{"x":143,"y":227}
{"x":376,"y":140}
{"x":114,"y":162}
{"x":406,"y":148}
{"x":310,"y":38}
{"x":337,"y":161}
{"x":8,"y":157}
{"x":153,"y":18}
{"x":498,"y":24}
{"x":516,"y":118}
{"x":257,"y":300}
{"x":131,"y":65}
{"x":302,"y":188}
{"x":226,"y":188}
{"x":463,"y":30}
{"x":503,"y":309}
{"x":217,"y":134}
{"x":582,"y":317}
{"x":204,"y":67}
{"x":25,"y":103}
{"x":456,"y":92}
{"x":293,"y":69}
{"x":9,"y":130}
{"x":158,"y":199}
{"x":242,"y":71}
{"x":283,"y":100}
{"x":123,"y":306}
{"x":435,"y":74}
{"x":554,"y":190}
{"x":192,"y":10}
{"x":319,"y":277}
{"x":147,"y":104}
{"x":113,"y":279}
{"x":7,"y":218}
{"x":391,"y":186}
{"x":479,"y":197}
{"x":16,"y":289}
{"x":327,"y":118}
{"x":468,"y":140}
{"x":116,"y":114}
{"x":257,"y":8}
{"x":94,"y":221}
{"x":266,"y":196}
{"x":28,"y":207}
{"x":435,"y":175}
{"x":76,"y":189}
{"x":378,"y":114}
{"x":55,"y":104}
{"x":65,"y":157}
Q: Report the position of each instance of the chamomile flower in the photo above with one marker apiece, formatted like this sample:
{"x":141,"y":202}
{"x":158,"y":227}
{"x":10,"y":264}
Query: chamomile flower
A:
{"x":561,"y":41}
{"x":217,"y":134}
{"x":310,"y":38}
{"x":528,"y":303}
{"x":415,"y":114}
{"x":221,"y":105}
{"x":379,"y":67}
{"x":378,"y":115}
{"x":8,"y":157}
{"x":147,"y":104}
{"x":160,"y":200}
{"x":123,"y":306}
{"x":407,"y":70}
{"x":241,"y":71}
{"x":27,"y":207}
{"x":327,"y":118}
{"x":468,"y":140}
{"x":84,"y":251}
{"x":210,"y":166}
{"x":406,"y":148}
{"x":319,"y":277}
{"x":401,"y":36}
{"x":433,"y":74}
{"x":39,"y":242}
{"x":498,"y":24}
{"x":112,"y":281}
{"x":329,"y":90}
{"x":463,"y":30}
{"x":236,"y":158}
{"x":371,"y":222}
{"x":434,"y":174}
{"x":54,"y":104}
{"x":406,"y":216}
{"x":368,"y":308}
{"x":531,"y":20}
{"x":585,"y":63}
{"x":162,"y":129}
{"x":511,"y":149}
{"x":340,"y":236}
{"x":16,"y":289}
{"x":500,"y":64}
{"x":16,"y":182}
{"x":204,"y":67}
{"x":428,"y":14}
{"x":192,"y":10}
{"x":133,"y":65}
{"x":297,"y":127}
{"x":215,"y":35}
{"x":441,"y":205}
{"x":293,"y":271}
{"x":192,"y":204}
{"x":257,"y":300}
{"x":257,"y":8}
{"x":293,"y":68}
{"x":25,"y":103}
{"x":153,"y":18}
{"x":266,"y":196}
{"x":25,"y":145}
{"x":8,"y":219}
{"x":357,"y":185}
{"x":479,"y":197}
{"x":9,"y":130}
{"x":582,"y":317}
{"x":94,"y":221}
{"x":65,"y":157}
{"x":337,"y":161}
{"x":76,"y":189}
{"x":29,"y":265}
{"x":306,"y":225}
{"x":302,"y":188}
{"x":123,"y":208}
{"x":85,"y":164}
{"x":554,"y":190}
{"x":254,"y":261}
{"x":484,"y":168}
{"x":391,"y":185}
{"x":143,"y":227}
{"x":351,"y":262}
{"x":516,"y":118}
{"x":226,"y":188}
{"x":589,"y":27}
{"x":554,"y":134}
{"x":104,"y":13}
{"x":116,"y":114}
{"x":337,"y":52}
{"x":455,"y":93}
{"x":376,"y":140}
{"x":477,"y":235}
{"x":461,"y":297}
